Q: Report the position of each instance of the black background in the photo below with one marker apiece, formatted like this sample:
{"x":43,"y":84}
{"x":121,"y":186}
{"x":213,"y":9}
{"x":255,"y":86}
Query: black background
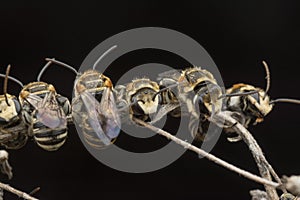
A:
{"x":237,"y":34}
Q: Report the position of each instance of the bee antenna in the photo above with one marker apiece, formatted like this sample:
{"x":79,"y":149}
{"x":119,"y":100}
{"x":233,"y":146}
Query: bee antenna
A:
{"x":285,"y":100}
{"x":52,"y":60}
{"x":103,"y":55}
{"x":6,"y":77}
{"x":5,"y":84}
{"x":238,"y":94}
{"x":35,"y":190}
{"x":164,"y":89}
{"x":268,"y":77}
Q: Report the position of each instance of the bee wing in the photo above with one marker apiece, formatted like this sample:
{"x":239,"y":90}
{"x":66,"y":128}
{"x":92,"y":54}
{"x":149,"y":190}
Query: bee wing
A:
{"x":164,"y":110}
{"x":172,"y":74}
{"x":108,"y":108}
{"x":48,"y":110}
{"x":34,"y":100}
{"x":94,"y":116}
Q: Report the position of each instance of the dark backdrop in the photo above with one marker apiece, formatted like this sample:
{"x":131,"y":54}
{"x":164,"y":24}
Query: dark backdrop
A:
{"x":238,"y":35}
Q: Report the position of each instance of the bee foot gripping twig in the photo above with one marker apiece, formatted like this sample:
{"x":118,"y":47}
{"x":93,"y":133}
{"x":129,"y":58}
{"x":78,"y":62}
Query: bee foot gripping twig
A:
{"x":209,"y":156}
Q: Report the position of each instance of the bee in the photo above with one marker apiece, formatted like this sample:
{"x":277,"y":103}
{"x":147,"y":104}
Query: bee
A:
{"x":145,"y":100}
{"x":199,"y":94}
{"x":142,"y":95}
{"x":46,"y":113}
{"x":94,"y":110}
{"x":251,"y":108}
{"x":13,"y":132}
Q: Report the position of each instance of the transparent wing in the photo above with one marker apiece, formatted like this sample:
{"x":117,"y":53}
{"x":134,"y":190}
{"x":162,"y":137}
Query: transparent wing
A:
{"x":111,"y":122}
{"x":103,"y":116}
{"x":172,"y":74}
{"x":94,"y":117}
{"x":34,"y":100}
{"x":48,"y":110}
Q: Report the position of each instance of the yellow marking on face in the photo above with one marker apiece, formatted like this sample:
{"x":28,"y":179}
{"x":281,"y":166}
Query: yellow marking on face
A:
{"x":7,"y":112}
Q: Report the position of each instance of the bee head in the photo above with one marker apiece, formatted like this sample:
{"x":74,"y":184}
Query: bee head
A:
{"x":9,"y":104}
{"x":253,"y":101}
{"x":258,"y":103}
{"x":262,"y":100}
{"x":146,"y":101}
{"x":9,"y":108}
{"x":144,"y":97}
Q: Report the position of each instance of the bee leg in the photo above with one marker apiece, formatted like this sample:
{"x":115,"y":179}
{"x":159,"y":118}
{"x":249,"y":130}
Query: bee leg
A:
{"x":229,"y":127}
{"x":234,"y":139}
{"x":233,"y":125}
{"x":64,"y":103}
{"x":4,"y":164}
{"x":30,"y":127}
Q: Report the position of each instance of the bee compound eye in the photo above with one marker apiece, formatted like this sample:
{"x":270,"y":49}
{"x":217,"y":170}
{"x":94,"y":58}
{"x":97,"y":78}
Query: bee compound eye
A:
{"x":256,"y":97}
{"x":17,"y":105}
{"x":2,"y":120}
{"x":159,"y":98}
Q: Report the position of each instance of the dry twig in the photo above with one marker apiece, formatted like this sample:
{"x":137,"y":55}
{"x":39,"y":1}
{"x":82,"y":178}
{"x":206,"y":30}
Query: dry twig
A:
{"x":16,"y":192}
{"x":209,"y":156}
{"x":6,"y":169}
{"x":264,"y":167}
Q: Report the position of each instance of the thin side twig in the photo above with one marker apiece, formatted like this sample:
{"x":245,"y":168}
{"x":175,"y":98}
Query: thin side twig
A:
{"x":209,"y":156}
{"x":16,"y":192}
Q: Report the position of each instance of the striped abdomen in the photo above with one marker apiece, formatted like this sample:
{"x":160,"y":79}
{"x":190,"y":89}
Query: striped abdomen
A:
{"x":49,"y":139}
{"x":94,"y":83}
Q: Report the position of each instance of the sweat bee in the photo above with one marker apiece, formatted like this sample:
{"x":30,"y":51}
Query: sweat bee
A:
{"x":141,"y":97}
{"x":94,"y":109}
{"x":251,"y":108}
{"x":199,"y":93}
{"x":13,"y":132}
{"x":46,"y":113}
{"x":146,"y":100}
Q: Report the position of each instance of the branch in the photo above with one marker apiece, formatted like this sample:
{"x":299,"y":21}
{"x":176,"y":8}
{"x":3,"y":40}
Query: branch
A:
{"x":6,"y":169}
{"x":209,"y":156}
{"x":264,"y":167}
{"x":16,"y":192}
